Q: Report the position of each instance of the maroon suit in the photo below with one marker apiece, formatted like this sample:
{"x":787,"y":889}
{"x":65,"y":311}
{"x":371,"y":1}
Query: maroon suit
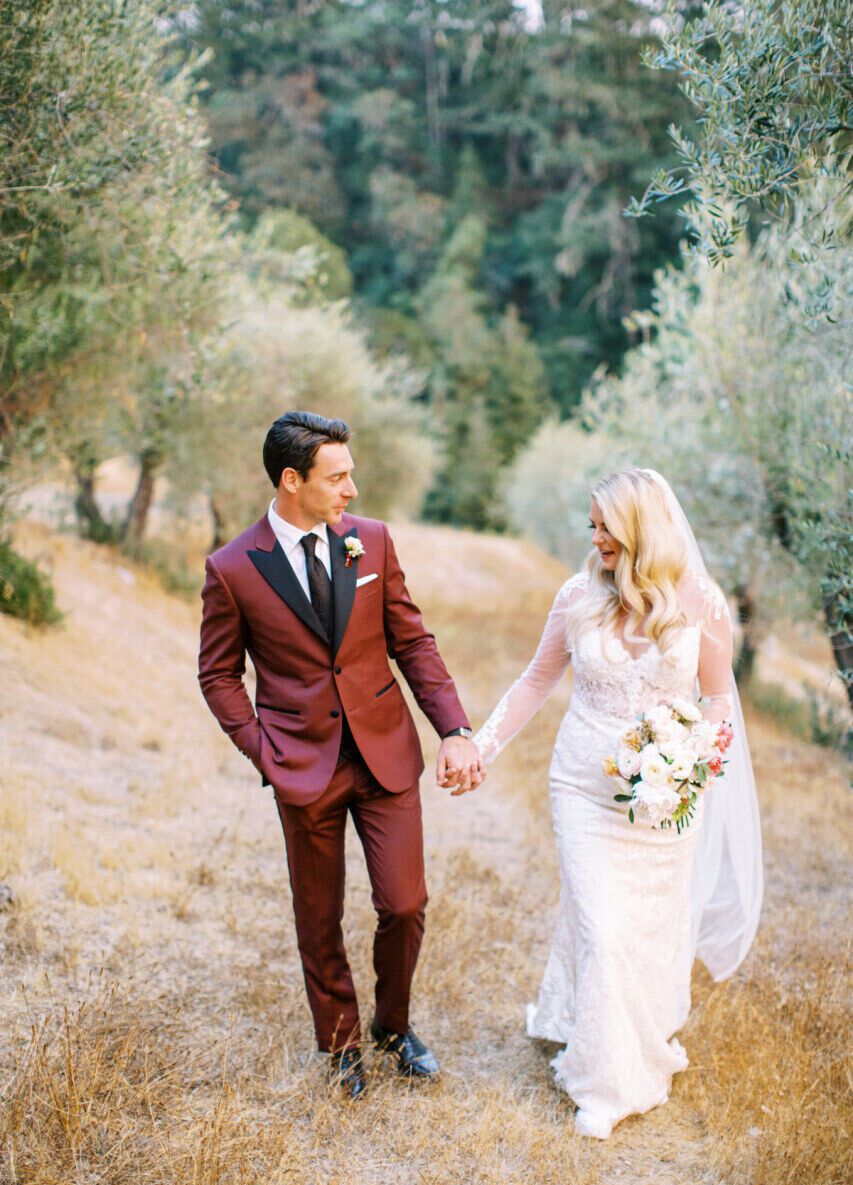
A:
{"x":306,"y":682}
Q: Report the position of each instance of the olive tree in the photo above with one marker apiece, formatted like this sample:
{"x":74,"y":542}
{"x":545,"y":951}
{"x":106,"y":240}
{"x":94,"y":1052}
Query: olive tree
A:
{"x":113,"y":260}
{"x":744,"y":406}
{"x":771,"y":87}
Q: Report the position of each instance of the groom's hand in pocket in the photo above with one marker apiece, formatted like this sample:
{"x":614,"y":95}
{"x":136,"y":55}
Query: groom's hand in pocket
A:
{"x":459,"y":765}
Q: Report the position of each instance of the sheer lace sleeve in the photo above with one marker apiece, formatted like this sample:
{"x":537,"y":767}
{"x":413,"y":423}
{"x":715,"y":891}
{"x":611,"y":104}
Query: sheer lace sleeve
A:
{"x":530,"y":691}
{"x":715,"y":648}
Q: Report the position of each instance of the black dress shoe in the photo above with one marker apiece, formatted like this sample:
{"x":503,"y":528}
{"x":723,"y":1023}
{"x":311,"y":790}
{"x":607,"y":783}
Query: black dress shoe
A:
{"x":414,"y":1059}
{"x":346,"y":1070}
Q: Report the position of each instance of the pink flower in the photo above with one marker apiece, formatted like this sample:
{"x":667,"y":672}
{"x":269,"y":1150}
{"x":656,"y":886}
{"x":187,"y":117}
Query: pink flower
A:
{"x":725,"y":735}
{"x":715,"y":765}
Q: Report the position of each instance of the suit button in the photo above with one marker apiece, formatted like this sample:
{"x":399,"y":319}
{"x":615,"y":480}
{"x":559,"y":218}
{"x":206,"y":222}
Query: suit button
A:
{"x":334,"y":713}
{"x":338,"y":670}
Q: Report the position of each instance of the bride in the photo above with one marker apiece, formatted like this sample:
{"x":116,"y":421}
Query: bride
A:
{"x":642,"y":624}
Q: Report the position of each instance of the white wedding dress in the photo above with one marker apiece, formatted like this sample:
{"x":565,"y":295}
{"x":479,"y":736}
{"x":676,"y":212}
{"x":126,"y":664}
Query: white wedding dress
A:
{"x":616,"y":988}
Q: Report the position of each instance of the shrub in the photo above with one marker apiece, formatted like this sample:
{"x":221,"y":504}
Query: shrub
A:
{"x":25,"y":592}
{"x":286,"y":246}
{"x":812,"y":718}
{"x":169,"y":562}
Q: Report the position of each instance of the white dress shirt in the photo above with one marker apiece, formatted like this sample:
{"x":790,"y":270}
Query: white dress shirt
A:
{"x":290,"y":538}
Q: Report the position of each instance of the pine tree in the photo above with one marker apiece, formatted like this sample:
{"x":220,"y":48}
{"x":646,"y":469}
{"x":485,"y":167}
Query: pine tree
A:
{"x":488,"y":388}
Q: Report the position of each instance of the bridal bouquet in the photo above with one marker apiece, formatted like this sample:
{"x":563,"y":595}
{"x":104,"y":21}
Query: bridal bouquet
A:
{"x":669,"y":757}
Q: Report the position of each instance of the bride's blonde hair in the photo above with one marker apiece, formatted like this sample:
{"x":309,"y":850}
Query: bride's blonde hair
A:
{"x":650,"y":566}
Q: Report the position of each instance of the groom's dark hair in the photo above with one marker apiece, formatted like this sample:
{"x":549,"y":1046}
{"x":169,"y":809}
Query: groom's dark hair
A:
{"x":294,"y":438}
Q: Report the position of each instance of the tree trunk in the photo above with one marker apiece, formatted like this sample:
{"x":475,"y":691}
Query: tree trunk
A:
{"x":512,"y":167}
{"x":838,"y":624}
{"x":137,"y":515}
{"x":841,"y":641}
{"x":91,"y":523}
{"x":744,"y":663}
{"x":433,"y":112}
{"x":219,"y":539}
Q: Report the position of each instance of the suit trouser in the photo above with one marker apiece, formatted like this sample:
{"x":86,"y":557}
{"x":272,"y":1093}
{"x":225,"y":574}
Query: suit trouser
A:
{"x":391,"y":833}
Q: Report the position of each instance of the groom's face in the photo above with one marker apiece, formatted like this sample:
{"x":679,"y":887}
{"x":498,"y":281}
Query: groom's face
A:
{"x":329,"y":488}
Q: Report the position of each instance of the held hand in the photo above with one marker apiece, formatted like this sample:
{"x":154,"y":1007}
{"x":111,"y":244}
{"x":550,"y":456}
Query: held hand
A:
{"x":459,"y":765}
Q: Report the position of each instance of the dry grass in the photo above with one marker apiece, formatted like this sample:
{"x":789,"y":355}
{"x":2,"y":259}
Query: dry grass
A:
{"x":771,"y":1074}
{"x":105,"y":1091}
{"x":14,"y":825}
{"x":153,"y":1015}
{"x":24,"y":936}
{"x":84,"y":876}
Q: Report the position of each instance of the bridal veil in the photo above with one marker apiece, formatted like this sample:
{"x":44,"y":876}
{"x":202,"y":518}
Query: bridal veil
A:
{"x":728,"y":880}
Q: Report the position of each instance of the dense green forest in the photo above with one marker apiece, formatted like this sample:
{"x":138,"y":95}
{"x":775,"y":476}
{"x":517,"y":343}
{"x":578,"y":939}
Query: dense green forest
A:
{"x":474,"y":171}
{"x":388,"y":123}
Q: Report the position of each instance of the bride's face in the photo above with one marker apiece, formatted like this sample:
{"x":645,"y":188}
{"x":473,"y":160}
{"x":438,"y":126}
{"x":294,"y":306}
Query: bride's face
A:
{"x":608,"y":548}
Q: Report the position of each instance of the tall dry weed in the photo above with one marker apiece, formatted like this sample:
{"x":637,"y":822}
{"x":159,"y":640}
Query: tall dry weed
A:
{"x":14,"y":825}
{"x":106,"y":1092}
{"x":771,"y":1074}
{"x":78,"y":862}
{"x":24,"y":933}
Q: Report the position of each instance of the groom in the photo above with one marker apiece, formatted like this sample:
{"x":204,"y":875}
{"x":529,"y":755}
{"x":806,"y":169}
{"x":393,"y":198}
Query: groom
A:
{"x":317,"y":599}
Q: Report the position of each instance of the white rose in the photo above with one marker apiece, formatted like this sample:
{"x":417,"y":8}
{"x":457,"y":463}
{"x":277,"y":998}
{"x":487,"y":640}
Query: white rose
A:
{"x":670,"y":737}
{"x":656,"y":801}
{"x":653,"y":769}
{"x":686,"y":710}
{"x":659,"y":717}
{"x":628,"y":761}
{"x":682,"y":763}
{"x":704,"y":737}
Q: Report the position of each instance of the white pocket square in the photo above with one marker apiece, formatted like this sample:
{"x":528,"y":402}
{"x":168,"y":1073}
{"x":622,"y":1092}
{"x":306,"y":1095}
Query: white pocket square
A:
{"x":366,"y":579}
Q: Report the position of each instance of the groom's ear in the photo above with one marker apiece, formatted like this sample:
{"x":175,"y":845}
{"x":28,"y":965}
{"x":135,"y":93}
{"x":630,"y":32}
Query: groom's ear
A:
{"x":290,"y":481}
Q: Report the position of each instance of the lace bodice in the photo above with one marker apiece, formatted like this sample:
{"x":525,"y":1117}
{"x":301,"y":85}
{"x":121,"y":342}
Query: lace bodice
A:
{"x":621,"y":676}
{"x":609,"y":681}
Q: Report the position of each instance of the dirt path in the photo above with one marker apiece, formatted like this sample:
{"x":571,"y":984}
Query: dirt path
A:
{"x":144,"y":855}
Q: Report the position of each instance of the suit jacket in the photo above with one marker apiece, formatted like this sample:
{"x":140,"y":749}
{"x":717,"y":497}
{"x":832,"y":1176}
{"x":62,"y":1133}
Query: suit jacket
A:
{"x":253,"y":603}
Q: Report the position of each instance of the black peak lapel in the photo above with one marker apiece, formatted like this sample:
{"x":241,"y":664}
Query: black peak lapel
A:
{"x":343,"y":585}
{"x":275,"y":568}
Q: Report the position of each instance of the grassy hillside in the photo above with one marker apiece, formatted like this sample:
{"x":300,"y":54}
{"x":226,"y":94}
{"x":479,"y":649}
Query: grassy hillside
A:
{"x":153,"y":1020}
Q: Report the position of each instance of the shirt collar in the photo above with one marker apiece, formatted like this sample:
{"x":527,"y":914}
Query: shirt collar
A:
{"x":290,"y":536}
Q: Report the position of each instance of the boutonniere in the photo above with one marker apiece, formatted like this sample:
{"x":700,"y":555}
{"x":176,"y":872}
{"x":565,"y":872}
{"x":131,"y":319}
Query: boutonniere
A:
{"x":354,"y":548}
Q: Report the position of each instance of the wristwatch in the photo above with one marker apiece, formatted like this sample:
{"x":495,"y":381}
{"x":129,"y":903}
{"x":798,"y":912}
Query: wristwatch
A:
{"x":459,"y":732}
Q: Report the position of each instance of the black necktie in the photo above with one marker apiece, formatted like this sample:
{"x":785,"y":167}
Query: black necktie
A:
{"x":319,"y":584}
